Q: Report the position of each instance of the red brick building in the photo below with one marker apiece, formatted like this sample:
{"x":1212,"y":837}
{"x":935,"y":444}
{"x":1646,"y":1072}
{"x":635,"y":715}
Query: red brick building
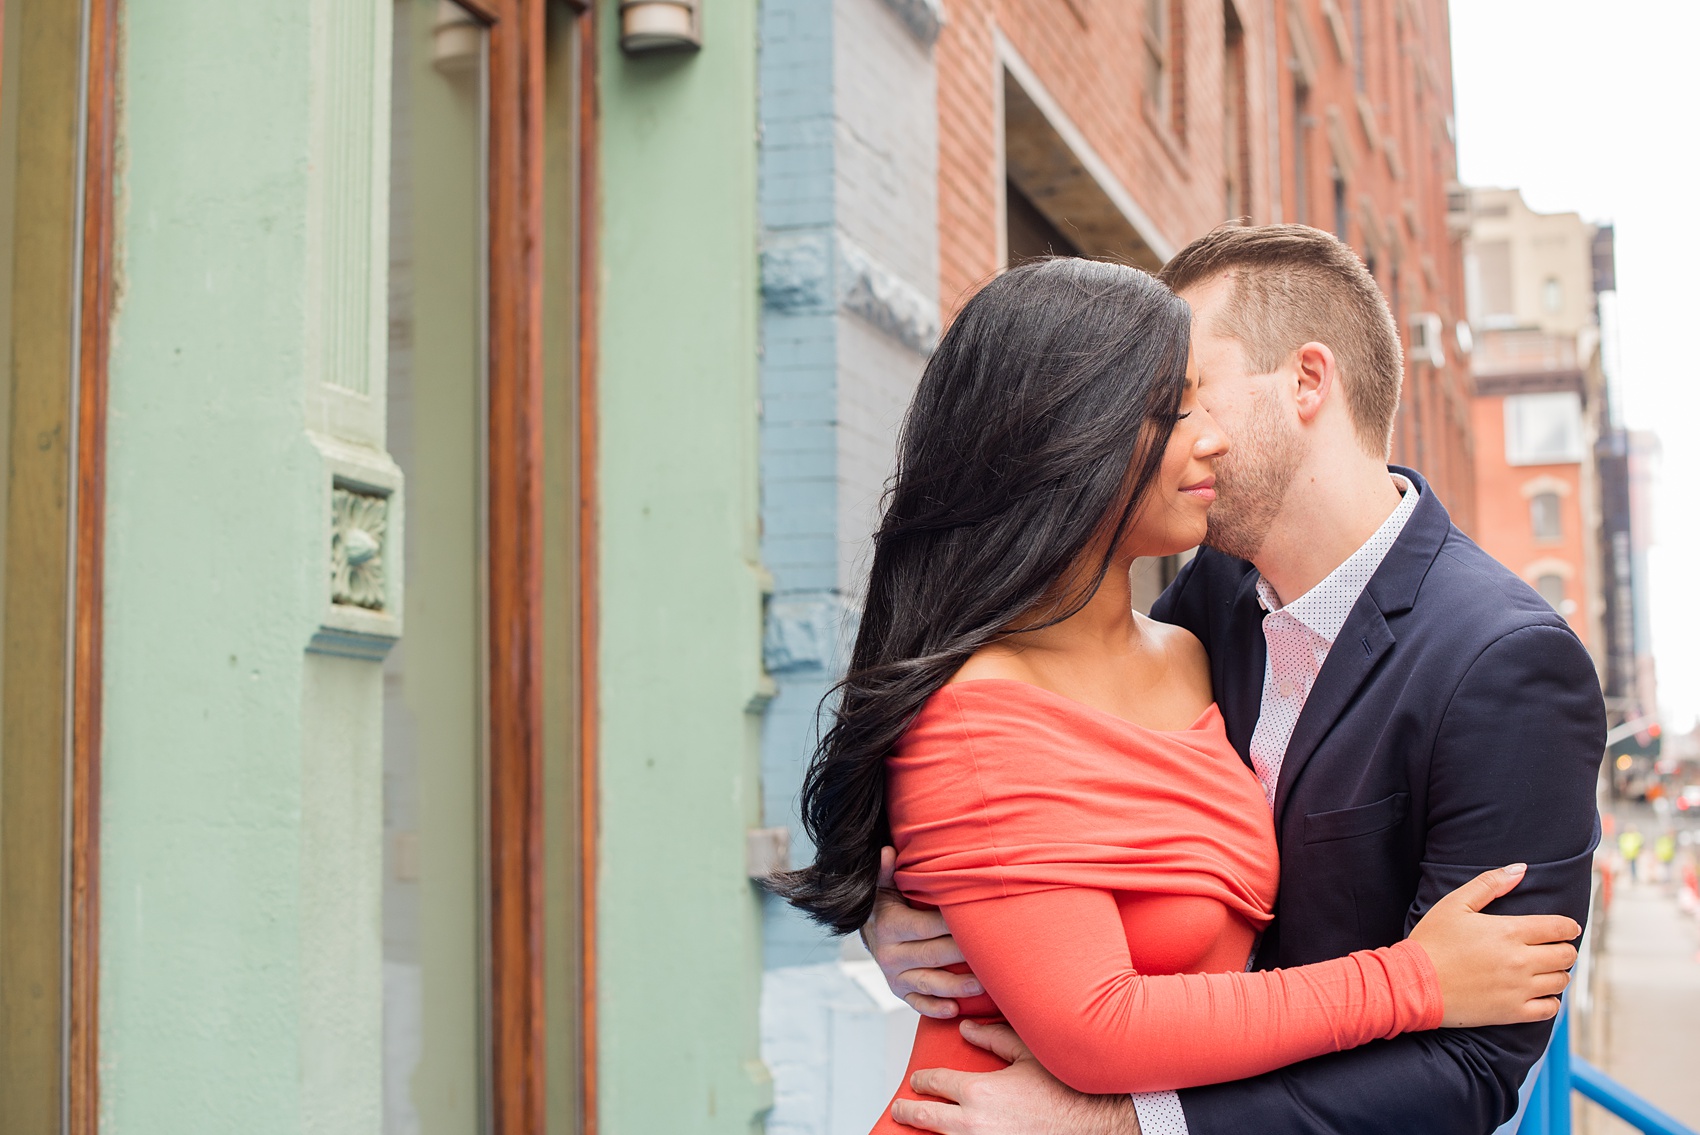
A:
{"x":1542,"y":411}
{"x":1126,"y":128}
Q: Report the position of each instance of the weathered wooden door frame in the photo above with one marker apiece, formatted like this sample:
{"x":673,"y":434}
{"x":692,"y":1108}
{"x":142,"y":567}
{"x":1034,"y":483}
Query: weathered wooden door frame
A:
{"x":94,"y":324}
{"x":515,"y":502}
{"x":515,"y":193}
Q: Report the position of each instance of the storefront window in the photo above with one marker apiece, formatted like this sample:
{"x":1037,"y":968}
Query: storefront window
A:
{"x":435,"y":940}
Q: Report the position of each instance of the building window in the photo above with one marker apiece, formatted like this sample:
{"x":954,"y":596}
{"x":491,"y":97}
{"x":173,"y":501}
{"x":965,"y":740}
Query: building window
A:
{"x":1358,"y":43}
{"x":1551,"y":587}
{"x":435,"y":710}
{"x":1157,"y":57}
{"x":1236,"y":142}
{"x":1164,"y":31}
{"x":1492,"y":301}
{"x":1342,"y":214}
{"x":1552,"y":295}
{"x":1302,"y":123}
{"x":1543,"y":429}
{"x":1544,"y":516}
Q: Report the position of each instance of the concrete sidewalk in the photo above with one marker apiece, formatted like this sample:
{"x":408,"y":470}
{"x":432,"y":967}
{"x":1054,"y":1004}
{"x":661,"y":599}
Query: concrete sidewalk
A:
{"x":1651,"y":998}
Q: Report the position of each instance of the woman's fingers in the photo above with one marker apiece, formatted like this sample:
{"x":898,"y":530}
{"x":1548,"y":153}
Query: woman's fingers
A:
{"x":1554,"y":958}
{"x":1549,"y":984}
{"x":1536,"y":928}
{"x":1487,"y":886}
{"x":1541,"y":1009}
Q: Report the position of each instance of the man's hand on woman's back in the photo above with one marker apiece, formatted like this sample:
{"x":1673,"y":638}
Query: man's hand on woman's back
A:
{"x":912,"y":948}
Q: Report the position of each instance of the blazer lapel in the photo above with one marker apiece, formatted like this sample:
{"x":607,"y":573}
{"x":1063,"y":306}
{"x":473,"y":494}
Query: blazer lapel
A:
{"x":1240,"y":661}
{"x":1363,"y":639}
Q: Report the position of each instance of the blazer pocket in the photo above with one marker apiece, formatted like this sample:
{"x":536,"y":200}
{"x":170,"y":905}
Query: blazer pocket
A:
{"x":1349,"y":822}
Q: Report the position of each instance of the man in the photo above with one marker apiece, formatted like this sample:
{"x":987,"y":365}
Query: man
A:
{"x":1415,"y":712}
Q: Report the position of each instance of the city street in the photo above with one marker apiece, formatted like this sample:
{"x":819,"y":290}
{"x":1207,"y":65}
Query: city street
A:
{"x":1650,"y":994}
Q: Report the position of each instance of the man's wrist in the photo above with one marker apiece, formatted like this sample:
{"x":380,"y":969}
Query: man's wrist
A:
{"x":1104,"y":1115}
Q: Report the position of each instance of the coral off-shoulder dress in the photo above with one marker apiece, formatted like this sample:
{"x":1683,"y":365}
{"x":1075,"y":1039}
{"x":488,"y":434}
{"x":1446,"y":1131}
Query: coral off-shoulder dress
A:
{"x":1106,"y":883}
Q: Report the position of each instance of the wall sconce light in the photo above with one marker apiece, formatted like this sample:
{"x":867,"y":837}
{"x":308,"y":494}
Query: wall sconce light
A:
{"x":660,"y":25}
{"x":456,"y":38}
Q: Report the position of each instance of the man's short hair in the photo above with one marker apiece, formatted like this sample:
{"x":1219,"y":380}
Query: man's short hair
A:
{"x":1290,"y":285}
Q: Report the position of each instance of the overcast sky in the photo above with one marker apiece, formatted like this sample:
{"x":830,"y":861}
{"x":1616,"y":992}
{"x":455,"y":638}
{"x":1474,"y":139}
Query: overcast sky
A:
{"x":1594,"y":108}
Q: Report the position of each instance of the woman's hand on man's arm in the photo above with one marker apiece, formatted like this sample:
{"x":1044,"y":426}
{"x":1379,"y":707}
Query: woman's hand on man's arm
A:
{"x":912,"y":948}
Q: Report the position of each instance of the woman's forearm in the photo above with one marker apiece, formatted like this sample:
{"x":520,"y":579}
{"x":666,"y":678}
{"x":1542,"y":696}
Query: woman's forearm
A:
{"x":1058,"y":965}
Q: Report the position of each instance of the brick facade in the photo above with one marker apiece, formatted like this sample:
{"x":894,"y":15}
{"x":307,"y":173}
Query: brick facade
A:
{"x":1309,"y":89}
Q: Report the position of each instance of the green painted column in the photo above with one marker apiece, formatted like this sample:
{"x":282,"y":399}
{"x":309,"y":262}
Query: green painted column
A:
{"x":679,"y":934}
{"x":241,"y":987}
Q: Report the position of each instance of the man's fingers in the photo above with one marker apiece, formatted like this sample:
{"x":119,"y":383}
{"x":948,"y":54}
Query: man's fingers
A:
{"x":944,"y":1118}
{"x":945,"y":1083}
{"x":939,"y":1008}
{"x":899,"y":931}
{"x":941,"y":983}
{"x":1489,"y":885}
{"x":921,"y":953}
{"x":888,"y":868}
{"x":999,"y":1040}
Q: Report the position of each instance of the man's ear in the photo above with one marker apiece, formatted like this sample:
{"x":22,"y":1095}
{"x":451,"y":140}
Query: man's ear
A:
{"x":1316,"y":372}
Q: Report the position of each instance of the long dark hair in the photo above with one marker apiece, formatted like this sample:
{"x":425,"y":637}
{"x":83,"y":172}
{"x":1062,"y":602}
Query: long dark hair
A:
{"x":1038,"y":426}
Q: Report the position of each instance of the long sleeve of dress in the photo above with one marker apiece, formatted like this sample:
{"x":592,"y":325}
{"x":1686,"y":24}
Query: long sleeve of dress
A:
{"x":1058,"y":965}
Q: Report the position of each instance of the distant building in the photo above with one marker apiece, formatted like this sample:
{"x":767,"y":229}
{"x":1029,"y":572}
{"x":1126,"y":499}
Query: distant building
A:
{"x":1539,"y":396}
{"x":1641,"y":679}
{"x":1126,"y":130}
{"x":1562,"y":488}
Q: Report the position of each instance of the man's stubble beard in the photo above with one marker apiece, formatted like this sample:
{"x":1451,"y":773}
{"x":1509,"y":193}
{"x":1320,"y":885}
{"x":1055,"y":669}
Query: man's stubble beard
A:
{"x":1252,"y":480}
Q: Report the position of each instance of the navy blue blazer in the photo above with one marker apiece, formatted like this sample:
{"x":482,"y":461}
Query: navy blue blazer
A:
{"x":1456,"y":726}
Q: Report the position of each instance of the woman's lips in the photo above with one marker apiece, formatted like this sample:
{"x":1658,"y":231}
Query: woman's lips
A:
{"x":1204,"y":490}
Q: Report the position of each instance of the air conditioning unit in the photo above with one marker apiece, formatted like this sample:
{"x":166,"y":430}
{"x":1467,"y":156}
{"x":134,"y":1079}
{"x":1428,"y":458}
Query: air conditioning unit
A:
{"x":1426,"y":345}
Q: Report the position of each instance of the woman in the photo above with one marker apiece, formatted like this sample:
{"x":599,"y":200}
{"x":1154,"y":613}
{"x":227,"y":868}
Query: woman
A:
{"x":1050,"y":765}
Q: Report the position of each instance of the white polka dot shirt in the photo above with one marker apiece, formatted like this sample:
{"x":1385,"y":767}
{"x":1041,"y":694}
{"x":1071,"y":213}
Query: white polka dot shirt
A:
{"x":1299,"y":635}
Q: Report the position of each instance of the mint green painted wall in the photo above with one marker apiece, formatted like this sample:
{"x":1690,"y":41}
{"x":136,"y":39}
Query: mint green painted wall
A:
{"x":678,"y":923}
{"x":240,"y":985}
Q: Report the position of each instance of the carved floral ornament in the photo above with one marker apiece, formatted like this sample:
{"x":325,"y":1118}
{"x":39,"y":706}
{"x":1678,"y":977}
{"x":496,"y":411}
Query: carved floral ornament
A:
{"x":358,"y":521}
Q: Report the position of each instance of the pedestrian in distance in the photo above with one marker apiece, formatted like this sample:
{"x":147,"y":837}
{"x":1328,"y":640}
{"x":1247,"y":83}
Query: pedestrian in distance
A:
{"x":1629,"y":846}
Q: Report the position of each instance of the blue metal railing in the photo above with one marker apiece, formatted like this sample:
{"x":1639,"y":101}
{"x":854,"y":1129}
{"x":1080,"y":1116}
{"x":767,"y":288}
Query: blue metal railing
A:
{"x":1549,"y":1103}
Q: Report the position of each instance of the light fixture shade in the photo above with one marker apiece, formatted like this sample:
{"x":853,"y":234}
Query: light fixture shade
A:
{"x":660,"y":25}
{"x":456,"y":38}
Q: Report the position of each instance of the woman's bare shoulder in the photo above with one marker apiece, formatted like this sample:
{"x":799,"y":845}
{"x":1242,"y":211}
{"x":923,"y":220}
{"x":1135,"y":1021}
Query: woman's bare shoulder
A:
{"x":1181,"y":649}
{"x":998,"y":660}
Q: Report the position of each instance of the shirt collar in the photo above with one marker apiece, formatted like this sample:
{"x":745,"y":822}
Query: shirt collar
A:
{"x":1323,"y":609}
